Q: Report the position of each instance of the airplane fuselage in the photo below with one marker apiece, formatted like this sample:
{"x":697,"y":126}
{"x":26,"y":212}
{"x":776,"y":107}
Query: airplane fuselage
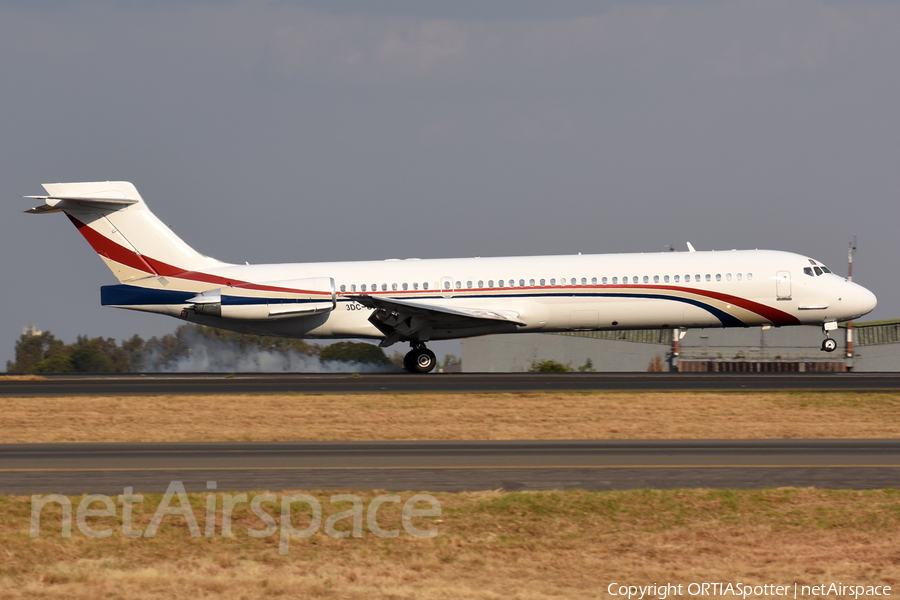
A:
{"x":560,"y":293}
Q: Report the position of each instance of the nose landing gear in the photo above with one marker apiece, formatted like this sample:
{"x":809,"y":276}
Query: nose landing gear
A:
{"x":419,"y":360}
{"x":828,"y":344}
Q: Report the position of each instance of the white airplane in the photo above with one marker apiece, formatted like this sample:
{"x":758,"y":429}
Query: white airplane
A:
{"x":416,"y":301}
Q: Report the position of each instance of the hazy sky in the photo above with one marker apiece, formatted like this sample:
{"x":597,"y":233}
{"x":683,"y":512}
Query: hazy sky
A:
{"x":306,"y":131}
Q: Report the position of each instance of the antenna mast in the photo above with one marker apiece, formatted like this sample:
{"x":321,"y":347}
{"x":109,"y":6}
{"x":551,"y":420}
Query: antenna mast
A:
{"x":850,"y":253}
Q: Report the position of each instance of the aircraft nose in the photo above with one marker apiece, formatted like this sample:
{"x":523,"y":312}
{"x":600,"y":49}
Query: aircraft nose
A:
{"x":867,"y":301}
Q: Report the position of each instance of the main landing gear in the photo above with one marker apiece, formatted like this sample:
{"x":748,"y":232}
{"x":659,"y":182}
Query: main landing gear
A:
{"x":420,"y":359}
{"x":828,"y":344}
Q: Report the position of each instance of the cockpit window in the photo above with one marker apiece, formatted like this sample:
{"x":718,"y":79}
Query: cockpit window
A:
{"x":826,"y":269}
{"x":808,"y":271}
{"x":818,"y":270}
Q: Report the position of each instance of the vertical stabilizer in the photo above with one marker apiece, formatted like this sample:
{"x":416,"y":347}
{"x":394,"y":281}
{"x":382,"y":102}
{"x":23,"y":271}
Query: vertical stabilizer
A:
{"x":130,"y":239}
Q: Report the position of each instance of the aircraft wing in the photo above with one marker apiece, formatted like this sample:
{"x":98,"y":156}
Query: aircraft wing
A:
{"x":405,"y":320}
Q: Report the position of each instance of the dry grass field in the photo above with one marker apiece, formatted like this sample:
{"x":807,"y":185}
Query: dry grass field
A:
{"x":490,"y":545}
{"x":501,"y":416}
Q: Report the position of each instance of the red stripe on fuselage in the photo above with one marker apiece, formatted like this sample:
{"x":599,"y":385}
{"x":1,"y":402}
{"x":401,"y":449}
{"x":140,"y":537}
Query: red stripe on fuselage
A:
{"x":778,"y":317}
{"x":113,"y":251}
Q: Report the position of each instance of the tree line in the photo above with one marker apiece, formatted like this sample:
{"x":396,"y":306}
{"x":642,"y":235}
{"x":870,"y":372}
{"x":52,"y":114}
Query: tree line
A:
{"x":43,"y":353}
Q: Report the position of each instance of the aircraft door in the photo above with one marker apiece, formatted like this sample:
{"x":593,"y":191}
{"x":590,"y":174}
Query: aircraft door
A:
{"x":447,"y":287}
{"x":783,"y":285}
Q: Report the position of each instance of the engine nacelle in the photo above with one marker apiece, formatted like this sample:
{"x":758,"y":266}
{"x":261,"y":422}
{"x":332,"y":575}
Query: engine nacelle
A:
{"x":271,"y":300}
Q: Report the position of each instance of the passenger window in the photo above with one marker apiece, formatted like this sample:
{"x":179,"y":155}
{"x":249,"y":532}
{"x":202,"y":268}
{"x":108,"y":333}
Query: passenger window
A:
{"x":634,"y":279}
{"x":697,"y":277}
{"x":353,"y":287}
{"x":446,"y":285}
{"x":469,"y":284}
{"x":458,"y":285}
{"x":425,"y":286}
{"x":490,"y":283}
{"x":343,"y":288}
{"x":553,"y":282}
{"x":480,"y":284}
{"x":738,"y":276}
{"x":666,"y":278}
{"x":656,"y":279}
{"x":593,"y":281}
{"x":415,"y":285}
{"x":393,"y":287}
{"x":604,"y":280}
{"x":708,"y":278}
{"x":363,"y":287}
{"x":749,"y":276}
{"x":521,"y":283}
{"x":818,"y":271}
{"x":646,"y":279}
{"x":500,"y":284}
{"x":718,"y":277}
{"x":584,"y":281}
{"x":543,"y":282}
{"x":531,"y":282}
{"x":405,"y":287}
{"x":727,"y":276}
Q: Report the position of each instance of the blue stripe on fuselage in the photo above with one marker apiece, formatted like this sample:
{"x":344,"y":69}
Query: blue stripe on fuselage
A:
{"x":125,"y":295}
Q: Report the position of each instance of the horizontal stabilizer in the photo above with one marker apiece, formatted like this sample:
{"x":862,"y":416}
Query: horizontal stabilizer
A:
{"x":56,"y":204}
{"x":111,"y":195}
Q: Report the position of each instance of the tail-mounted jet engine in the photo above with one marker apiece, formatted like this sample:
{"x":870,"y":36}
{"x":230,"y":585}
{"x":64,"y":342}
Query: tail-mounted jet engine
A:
{"x":269,"y":301}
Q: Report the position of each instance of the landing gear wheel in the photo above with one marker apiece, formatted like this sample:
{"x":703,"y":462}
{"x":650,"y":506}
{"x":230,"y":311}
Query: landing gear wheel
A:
{"x":829,"y":345}
{"x":419,"y":360}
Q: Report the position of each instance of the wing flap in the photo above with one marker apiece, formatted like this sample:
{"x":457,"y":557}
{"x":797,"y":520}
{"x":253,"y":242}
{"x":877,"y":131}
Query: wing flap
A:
{"x":414,"y":320}
{"x":427,"y":308}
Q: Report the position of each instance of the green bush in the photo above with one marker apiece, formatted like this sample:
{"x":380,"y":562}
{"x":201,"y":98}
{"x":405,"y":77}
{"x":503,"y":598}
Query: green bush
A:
{"x":354,"y":352}
{"x":549,"y":366}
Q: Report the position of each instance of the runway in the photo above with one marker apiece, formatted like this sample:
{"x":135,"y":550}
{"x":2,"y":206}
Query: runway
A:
{"x":279,"y":383}
{"x":449,"y":466}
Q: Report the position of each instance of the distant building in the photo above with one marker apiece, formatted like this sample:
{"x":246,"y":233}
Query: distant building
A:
{"x":875,"y":347}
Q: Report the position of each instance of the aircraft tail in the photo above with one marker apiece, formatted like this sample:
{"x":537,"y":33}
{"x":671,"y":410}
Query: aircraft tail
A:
{"x":129,"y":238}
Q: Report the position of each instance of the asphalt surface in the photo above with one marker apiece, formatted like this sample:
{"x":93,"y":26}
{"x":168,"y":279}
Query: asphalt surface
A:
{"x":449,"y":466}
{"x":279,"y":383}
